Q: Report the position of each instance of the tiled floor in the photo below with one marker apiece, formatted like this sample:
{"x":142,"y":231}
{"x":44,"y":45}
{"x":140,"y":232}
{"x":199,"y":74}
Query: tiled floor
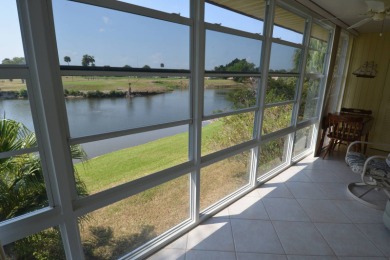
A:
{"x":303,"y":213}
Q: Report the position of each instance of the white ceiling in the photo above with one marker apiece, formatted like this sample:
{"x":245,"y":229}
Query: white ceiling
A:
{"x":350,"y":12}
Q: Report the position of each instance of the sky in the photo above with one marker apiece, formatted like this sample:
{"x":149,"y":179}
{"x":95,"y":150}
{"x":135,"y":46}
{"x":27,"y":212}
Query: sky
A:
{"x":116,"y":38}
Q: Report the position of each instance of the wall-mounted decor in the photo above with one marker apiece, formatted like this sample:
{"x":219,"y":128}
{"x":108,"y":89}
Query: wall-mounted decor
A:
{"x":367,"y":70}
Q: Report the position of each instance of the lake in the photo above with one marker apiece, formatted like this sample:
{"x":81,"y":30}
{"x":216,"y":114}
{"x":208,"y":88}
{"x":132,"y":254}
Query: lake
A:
{"x":94,"y":116}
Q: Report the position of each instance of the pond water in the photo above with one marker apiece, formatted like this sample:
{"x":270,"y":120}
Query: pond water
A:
{"x":94,"y":116}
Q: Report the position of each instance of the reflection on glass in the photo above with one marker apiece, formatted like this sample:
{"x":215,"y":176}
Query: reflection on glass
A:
{"x":122,"y":227}
{"x":180,"y":7}
{"x":106,"y":104}
{"x":302,"y":142}
{"x":272,"y":154}
{"x":11,"y":51}
{"x":217,"y":15}
{"x":119,"y":160}
{"x":226,"y":52}
{"x":318,"y":34}
{"x":14,"y":103}
{"x":227,"y":131}
{"x":276,"y":118}
{"x":308,"y":106}
{"x":229,"y":94}
{"x":288,"y":26}
{"x":220,"y":179}
{"x":280,"y":89}
{"x":118,"y":39}
{"x":21,"y":179}
{"x":284,"y":58}
{"x":46,"y":244}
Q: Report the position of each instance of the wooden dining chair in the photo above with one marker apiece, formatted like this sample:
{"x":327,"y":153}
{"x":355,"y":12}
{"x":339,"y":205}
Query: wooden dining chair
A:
{"x":343,"y":129}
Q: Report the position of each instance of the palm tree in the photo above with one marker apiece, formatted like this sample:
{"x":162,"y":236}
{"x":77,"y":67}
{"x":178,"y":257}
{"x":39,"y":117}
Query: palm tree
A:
{"x":67,"y":59}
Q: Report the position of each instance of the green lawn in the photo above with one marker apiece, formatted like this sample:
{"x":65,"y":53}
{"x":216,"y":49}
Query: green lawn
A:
{"x":132,"y":163}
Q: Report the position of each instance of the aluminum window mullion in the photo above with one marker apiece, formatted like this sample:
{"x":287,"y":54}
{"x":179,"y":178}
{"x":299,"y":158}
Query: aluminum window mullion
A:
{"x":287,"y":43}
{"x":13,"y":72}
{"x":230,"y":113}
{"x":137,"y":10}
{"x":104,"y":73}
{"x":41,"y":54}
{"x":231,"y":31}
{"x":197,"y":64}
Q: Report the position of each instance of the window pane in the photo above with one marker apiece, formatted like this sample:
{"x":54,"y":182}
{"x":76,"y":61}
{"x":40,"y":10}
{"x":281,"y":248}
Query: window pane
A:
{"x":318,"y":48}
{"x":46,"y":244}
{"x":223,"y":178}
{"x":217,"y":15}
{"x":11,"y":51}
{"x":121,"y":227}
{"x":284,"y":58}
{"x":226,"y":52}
{"x":229,"y":94}
{"x":115,"y":103}
{"x":308,"y":107}
{"x":302,"y":142}
{"x":118,"y":39}
{"x":280,"y":89}
{"x":118,"y":160}
{"x":227,"y":131}
{"x":14,"y":103}
{"x":169,"y":6}
{"x":22,"y":187}
{"x":272,"y":154}
{"x":288,"y":26}
{"x":276,"y":118}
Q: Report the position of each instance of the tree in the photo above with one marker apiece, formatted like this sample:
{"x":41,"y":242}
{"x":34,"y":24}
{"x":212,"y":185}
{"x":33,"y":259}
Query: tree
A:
{"x":147,"y":67}
{"x":88,"y":60}
{"x":127,"y":66}
{"x":67,"y":59}
{"x":23,"y":190}
{"x":162,"y":65}
{"x":237,"y":65}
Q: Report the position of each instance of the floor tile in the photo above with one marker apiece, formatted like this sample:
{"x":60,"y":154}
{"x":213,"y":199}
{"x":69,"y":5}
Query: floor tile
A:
{"x":180,"y":243}
{"x":302,"y":190}
{"x":325,"y":175}
{"x":248,"y":208}
{"x":257,"y":256}
{"x":284,"y":209}
{"x":363,"y":258}
{"x":255,"y":236}
{"x":169,"y":253}
{"x":301,"y":238}
{"x":222,"y":214}
{"x":292,"y":174}
{"x":337,"y":191}
{"x":379,"y":235}
{"x":214,"y":234}
{"x":274,"y":190}
{"x":209,"y":255}
{"x":347,"y":240}
{"x":323,"y":211}
{"x":359,"y":213}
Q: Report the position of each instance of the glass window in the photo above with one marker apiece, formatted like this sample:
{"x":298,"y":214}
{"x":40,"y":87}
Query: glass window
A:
{"x":310,"y":98}
{"x":230,"y":53}
{"x":122,"y":227}
{"x":276,"y":118}
{"x":318,"y":48}
{"x":222,"y":16}
{"x":280,"y":89}
{"x":272,"y":154}
{"x":103,"y":37}
{"x":180,"y":7}
{"x":46,"y":244}
{"x":229,"y":94}
{"x":303,"y":139}
{"x":102,"y":104}
{"x":220,"y":179}
{"x":11,"y":51}
{"x":227,"y":131}
{"x":288,"y":26}
{"x":22,"y":186}
{"x":118,"y":160}
{"x":284,"y":58}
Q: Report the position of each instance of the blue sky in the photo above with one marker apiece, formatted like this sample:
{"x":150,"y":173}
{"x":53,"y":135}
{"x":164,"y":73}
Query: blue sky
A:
{"x":115,"y":38}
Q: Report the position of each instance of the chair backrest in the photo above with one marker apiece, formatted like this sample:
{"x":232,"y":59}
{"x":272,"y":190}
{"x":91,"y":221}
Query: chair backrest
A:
{"x":355,"y":111}
{"x":344,"y":127}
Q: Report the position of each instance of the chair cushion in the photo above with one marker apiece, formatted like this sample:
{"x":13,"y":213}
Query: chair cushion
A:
{"x":377,"y":167}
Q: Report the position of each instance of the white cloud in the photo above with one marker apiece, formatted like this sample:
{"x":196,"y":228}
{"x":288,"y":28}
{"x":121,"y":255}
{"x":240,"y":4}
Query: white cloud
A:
{"x":106,"y":20}
{"x":102,"y":30}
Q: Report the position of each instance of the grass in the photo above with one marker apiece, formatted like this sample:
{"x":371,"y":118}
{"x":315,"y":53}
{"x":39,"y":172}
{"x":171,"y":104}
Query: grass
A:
{"x":152,"y":84}
{"x":114,"y":230}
